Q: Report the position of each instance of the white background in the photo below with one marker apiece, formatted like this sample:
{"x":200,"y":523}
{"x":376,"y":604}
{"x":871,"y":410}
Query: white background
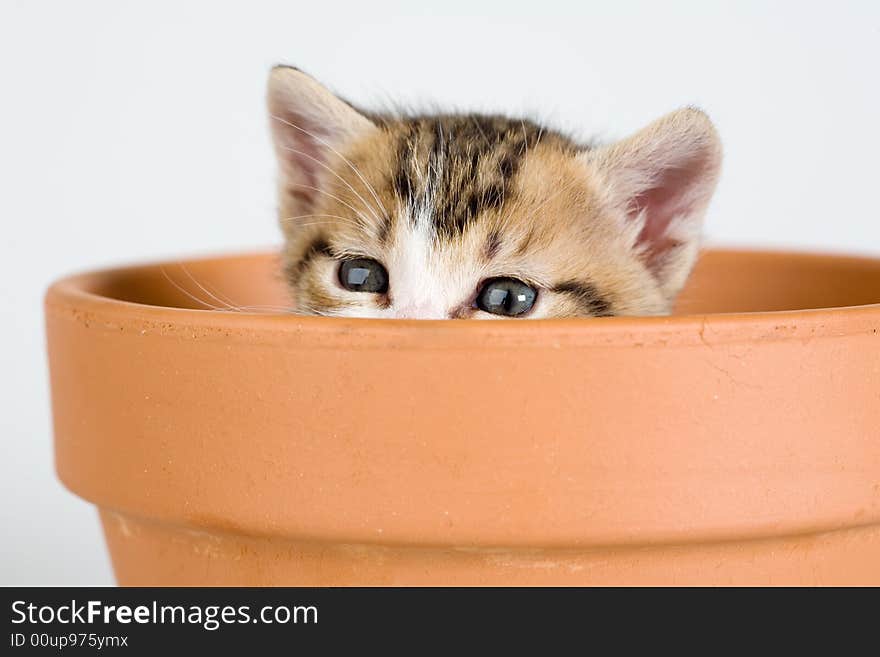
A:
{"x":133,"y":131}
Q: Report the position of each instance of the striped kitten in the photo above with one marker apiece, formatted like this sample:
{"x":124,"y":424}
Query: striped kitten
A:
{"x":484,"y":217}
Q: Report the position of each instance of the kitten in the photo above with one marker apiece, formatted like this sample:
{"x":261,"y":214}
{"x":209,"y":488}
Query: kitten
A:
{"x":483,"y":217}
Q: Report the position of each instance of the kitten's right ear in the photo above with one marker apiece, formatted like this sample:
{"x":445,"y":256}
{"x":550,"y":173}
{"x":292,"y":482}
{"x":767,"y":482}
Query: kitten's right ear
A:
{"x":310,"y":126}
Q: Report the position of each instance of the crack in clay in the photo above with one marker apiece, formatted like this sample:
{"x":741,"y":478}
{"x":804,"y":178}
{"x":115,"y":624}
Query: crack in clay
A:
{"x":711,"y":363}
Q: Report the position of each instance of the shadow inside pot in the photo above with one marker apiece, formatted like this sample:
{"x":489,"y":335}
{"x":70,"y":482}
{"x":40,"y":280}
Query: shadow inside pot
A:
{"x":722,"y":282}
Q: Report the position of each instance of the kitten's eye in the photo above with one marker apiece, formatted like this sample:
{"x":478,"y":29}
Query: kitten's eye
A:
{"x":363,"y":275}
{"x":506,"y":296}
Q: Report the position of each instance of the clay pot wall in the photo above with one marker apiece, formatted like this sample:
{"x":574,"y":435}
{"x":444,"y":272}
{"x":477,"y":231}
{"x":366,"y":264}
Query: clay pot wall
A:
{"x":737,"y":442}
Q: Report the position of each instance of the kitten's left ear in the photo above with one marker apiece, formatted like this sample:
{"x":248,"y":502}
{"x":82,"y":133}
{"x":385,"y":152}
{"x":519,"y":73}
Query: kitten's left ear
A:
{"x":662,"y":178}
{"x":310,"y":126}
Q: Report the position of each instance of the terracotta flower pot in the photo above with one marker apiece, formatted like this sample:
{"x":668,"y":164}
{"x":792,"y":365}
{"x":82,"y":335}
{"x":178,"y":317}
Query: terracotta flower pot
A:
{"x":735,"y":443}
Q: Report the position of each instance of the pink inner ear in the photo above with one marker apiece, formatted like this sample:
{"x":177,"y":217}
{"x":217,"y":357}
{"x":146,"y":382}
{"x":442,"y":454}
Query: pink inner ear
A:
{"x":299,"y":147}
{"x":307,"y":167}
{"x":304,"y":155}
{"x":672,"y":195}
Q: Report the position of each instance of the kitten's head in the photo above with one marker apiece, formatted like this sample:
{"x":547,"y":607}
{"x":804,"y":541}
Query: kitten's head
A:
{"x":471,"y":216}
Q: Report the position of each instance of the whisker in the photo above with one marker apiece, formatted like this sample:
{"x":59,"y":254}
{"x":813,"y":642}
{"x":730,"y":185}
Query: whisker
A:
{"x":367,"y":224}
{"x":261,"y":307}
{"x":190,"y":294}
{"x":307,"y":216}
{"x":321,"y":223}
{"x":367,"y":206}
{"x":306,"y":311}
{"x":345,"y":220}
{"x":227,"y":306}
{"x":204,"y":289}
{"x":357,"y":172}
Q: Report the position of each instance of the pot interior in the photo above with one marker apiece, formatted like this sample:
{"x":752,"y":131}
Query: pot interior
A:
{"x":723,"y":282}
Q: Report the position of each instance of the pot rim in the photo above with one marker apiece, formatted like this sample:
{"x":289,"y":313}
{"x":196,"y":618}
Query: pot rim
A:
{"x":77,"y":292}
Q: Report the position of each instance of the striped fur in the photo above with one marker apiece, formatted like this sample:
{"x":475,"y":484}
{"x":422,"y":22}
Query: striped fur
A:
{"x":446,"y":202}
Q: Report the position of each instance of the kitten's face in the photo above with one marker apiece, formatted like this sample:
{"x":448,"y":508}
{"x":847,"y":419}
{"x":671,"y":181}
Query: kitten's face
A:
{"x":467,"y":216}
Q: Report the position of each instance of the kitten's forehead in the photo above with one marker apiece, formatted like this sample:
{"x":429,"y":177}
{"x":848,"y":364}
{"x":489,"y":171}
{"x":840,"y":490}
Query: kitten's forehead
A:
{"x":453,"y":170}
{"x":470,"y":187}
{"x":462,"y":199}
